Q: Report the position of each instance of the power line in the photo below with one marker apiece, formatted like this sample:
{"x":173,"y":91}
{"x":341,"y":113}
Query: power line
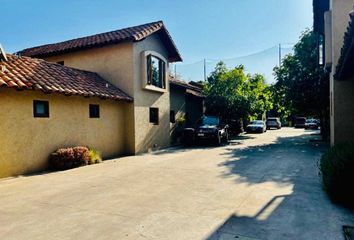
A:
{"x":261,"y":62}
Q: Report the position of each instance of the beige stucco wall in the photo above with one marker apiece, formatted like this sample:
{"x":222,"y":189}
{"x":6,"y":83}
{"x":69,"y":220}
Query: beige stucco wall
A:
{"x":147,"y":135}
{"x":342,"y":97}
{"x":115,"y":64}
{"x":26,"y":142}
{"x":121,"y":64}
{"x":178,"y":101}
{"x":178,"y":104}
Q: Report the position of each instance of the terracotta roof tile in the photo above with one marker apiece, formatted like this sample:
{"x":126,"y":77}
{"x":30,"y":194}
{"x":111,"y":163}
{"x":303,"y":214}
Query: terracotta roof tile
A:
{"x":36,"y":74}
{"x":131,"y":34}
{"x":184,"y":84}
{"x":190,"y":89}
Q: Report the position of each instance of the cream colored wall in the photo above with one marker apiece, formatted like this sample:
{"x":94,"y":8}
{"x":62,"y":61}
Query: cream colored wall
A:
{"x":342,"y":97}
{"x":26,"y":142}
{"x":178,"y":104}
{"x":178,"y":101}
{"x":148,"y":136}
{"x":121,"y":64}
{"x":115,"y":64}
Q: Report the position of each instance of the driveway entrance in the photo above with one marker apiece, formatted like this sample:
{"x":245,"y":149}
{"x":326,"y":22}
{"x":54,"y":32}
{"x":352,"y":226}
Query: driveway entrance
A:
{"x":260,"y":186}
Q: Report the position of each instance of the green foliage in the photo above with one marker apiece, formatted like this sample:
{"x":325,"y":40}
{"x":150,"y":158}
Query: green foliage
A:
{"x":95,"y":156}
{"x":233,"y":94}
{"x":181,"y":120}
{"x":302,"y":86}
{"x":337,"y":167}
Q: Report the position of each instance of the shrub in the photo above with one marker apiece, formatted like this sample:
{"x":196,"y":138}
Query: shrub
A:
{"x":95,"y":156}
{"x":66,"y":158}
{"x":337,"y":168}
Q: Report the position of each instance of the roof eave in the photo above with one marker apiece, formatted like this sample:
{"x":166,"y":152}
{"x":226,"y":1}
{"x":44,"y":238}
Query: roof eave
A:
{"x":78,"y":49}
{"x":344,"y":69}
{"x":319,"y":8}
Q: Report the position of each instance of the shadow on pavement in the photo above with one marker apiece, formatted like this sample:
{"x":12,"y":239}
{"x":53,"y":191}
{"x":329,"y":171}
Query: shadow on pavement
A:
{"x":305,"y":213}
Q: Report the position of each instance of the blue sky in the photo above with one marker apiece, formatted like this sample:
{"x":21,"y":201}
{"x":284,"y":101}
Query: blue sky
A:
{"x":220,"y":29}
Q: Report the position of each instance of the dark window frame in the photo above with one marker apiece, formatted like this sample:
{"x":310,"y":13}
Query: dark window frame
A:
{"x":94,"y":111}
{"x":46,"y":109}
{"x":154,"y":115}
{"x":162,"y":71}
{"x":172,"y":116}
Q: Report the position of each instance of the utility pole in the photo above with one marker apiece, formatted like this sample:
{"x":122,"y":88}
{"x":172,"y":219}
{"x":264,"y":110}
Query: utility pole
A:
{"x":175,"y":71}
{"x":279,"y":54}
{"x":204,"y":69}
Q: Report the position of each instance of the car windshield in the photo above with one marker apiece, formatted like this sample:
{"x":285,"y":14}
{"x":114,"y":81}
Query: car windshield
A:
{"x":271,"y":119}
{"x":311,"y":121}
{"x":257,"y":122}
{"x":210,"y":121}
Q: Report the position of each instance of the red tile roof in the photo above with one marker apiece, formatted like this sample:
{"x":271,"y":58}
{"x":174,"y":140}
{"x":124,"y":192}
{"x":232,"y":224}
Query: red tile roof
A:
{"x":131,"y":34}
{"x":190,"y":89}
{"x":36,"y":74}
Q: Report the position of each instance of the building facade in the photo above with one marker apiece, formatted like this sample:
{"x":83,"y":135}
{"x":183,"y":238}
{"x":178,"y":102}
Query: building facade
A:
{"x":333,"y":22}
{"x":186,"y":106}
{"x":46,"y":106}
{"x":127,"y":58}
{"x":108,"y":91}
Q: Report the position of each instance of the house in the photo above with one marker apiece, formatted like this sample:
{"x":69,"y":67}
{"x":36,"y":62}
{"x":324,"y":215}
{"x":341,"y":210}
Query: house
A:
{"x":135,"y":59}
{"x":109,"y":91}
{"x":45,"y":106}
{"x":187,"y":105}
{"x":334,"y":24}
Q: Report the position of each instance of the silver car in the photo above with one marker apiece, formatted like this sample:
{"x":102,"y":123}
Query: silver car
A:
{"x":257,"y":126}
{"x":273,"y":122}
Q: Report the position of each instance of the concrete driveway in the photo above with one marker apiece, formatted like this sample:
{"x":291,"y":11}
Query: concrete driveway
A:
{"x":263,"y":186}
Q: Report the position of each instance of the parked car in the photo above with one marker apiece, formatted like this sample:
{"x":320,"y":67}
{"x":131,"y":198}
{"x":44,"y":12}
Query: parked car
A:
{"x":257,"y":126}
{"x":273,"y":123}
{"x":208,"y":128}
{"x":300,"y":122}
{"x":312,"y":124}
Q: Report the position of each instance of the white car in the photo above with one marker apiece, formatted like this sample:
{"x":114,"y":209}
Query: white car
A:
{"x":257,"y":126}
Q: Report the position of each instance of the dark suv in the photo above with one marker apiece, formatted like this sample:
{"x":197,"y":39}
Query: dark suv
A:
{"x":207,"y":128}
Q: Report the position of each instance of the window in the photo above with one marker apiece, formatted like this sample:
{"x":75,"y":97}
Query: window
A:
{"x":172,"y":116}
{"x":94,"y":111}
{"x":40,"y":109}
{"x":61,"y":63}
{"x":156,"y":69}
{"x":154,"y":116}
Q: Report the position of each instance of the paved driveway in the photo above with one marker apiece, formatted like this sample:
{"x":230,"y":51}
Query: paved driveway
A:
{"x":258,"y":187}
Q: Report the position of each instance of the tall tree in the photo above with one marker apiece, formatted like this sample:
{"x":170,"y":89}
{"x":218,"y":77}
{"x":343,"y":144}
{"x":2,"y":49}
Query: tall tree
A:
{"x":301,"y":83}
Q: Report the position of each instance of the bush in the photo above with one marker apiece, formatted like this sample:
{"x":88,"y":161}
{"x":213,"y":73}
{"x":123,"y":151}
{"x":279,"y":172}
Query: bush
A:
{"x":337,"y":168}
{"x":66,"y":158}
{"x":95,"y":156}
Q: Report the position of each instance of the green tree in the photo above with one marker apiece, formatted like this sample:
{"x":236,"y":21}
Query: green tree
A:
{"x":301,"y":86}
{"x":233,"y":94}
